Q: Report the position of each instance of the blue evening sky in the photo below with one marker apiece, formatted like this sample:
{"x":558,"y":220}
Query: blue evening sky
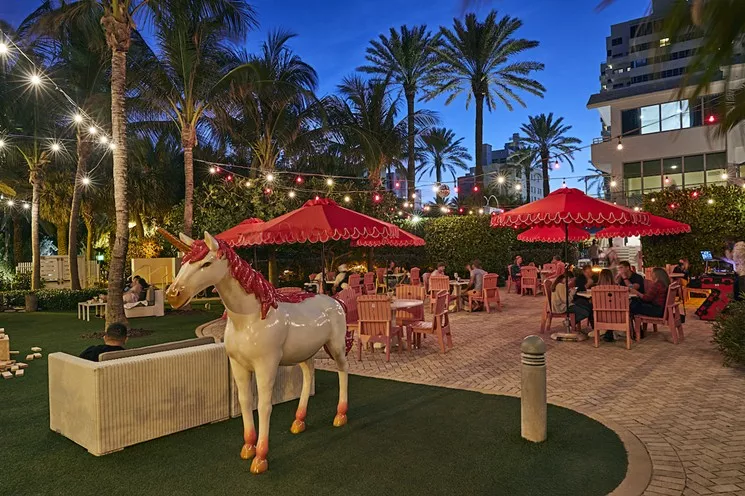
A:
{"x":333,"y":35}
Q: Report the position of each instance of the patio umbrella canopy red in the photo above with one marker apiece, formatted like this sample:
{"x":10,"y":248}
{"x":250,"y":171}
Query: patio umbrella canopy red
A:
{"x":235,"y":235}
{"x":553,"y":234}
{"x":403,"y":239}
{"x":658,"y":226}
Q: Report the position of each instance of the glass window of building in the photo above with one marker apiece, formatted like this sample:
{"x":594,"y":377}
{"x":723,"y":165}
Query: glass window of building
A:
{"x":632,"y":178}
{"x":650,"y":119}
{"x":630,"y":122}
{"x":672,"y":168}
{"x":675,"y":115}
{"x":651,"y":175}
{"x":716,"y":167}
{"x":693,"y":167}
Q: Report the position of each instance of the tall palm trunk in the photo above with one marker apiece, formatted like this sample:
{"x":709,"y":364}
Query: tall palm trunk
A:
{"x":438,"y":171}
{"x":527,"y":184}
{"x":118,"y":37}
{"x":17,"y":238}
{"x":36,"y":183}
{"x":62,"y":230}
{"x":272,"y":268}
{"x":89,"y":241}
{"x":544,"y":171}
{"x":188,"y":140}
{"x":83,"y":149}
{"x":411,"y":168}
{"x":478,"y":181}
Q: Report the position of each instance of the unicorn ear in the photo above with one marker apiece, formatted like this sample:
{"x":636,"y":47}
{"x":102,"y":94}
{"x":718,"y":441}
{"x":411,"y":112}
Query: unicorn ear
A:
{"x":211,"y":242}
{"x":185,"y":239}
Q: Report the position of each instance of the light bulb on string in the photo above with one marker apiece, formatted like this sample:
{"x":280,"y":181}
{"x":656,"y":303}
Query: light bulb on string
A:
{"x":112,"y":146}
{"x":77,"y":118}
{"x":92,"y":130}
{"x":563,"y":184}
{"x":329,"y":182}
{"x":55,"y":147}
{"x":35,"y":79}
{"x":557,"y":165}
{"x":347,"y":199}
{"x":376,"y":198}
{"x":103,"y":140}
{"x":86,"y":181}
{"x":653,"y":200}
{"x":400,"y":213}
{"x":476,"y":189}
{"x":229,"y":178}
{"x":3,"y":48}
{"x":481,"y":211}
{"x":518,"y":187}
{"x":2,"y":144}
{"x":413,"y":196}
{"x":470,"y":212}
{"x":636,"y":209}
{"x":406,"y":204}
{"x":299,"y":179}
{"x":500,"y":180}
{"x":291,"y":194}
{"x":725,"y":176}
{"x":269,"y":177}
{"x":11,"y":203}
{"x":213,"y":170}
{"x":444,"y":210}
{"x":397,"y":185}
{"x":435,"y":188}
{"x":426,"y":208}
{"x":613,"y":184}
{"x":415,"y":219}
{"x":247,"y":184}
{"x":710,"y":201}
{"x":318,"y":197}
{"x":619,"y":146}
{"x":26,"y":206}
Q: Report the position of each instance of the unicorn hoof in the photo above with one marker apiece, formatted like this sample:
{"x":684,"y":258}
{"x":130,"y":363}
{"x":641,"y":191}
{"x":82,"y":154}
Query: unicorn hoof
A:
{"x":340,"y":419}
{"x":248,"y":451}
{"x":259,"y":465}
{"x":298,"y":426}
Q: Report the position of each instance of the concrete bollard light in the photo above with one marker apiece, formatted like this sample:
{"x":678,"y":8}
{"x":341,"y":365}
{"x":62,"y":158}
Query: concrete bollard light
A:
{"x":533,"y":390}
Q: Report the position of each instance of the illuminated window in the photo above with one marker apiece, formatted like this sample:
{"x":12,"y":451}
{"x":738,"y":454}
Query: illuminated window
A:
{"x":664,"y":42}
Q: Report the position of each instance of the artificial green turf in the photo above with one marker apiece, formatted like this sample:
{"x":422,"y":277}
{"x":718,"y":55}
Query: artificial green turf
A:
{"x":401,"y":439}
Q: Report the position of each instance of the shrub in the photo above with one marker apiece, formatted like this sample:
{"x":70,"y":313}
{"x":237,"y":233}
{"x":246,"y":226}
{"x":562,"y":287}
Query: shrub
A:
{"x":729,"y":333}
{"x":52,"y":300}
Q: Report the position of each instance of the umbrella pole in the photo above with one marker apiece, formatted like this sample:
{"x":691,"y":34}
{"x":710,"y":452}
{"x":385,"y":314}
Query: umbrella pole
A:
{"x":256,"y":264}
{"x":567,"y":322}
{"x":323,"y":267}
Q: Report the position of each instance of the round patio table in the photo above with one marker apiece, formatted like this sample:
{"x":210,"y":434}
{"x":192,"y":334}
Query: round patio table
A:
{"x":457,"y":287}
{"x":402,"y":303}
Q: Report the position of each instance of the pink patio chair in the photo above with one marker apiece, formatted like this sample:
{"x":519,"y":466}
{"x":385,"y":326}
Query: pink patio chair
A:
{"x":529,"y":280}
{"x":548,"y":313}
{"x":376,"y":324}
{"x":440,"y":325}
{"x":414,"y":276}
{"x":381,"y":283}
{"x":354,"y":283}
{"x":437,"y":284}
{"x":671,"y":318}
{"x":489,"y":294}
{"x":368,"y":283}
{"x":349,"y":300}
{"x":610,"y":307}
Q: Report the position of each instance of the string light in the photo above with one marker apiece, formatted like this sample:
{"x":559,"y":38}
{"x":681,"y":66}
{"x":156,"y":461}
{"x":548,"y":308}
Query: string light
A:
{"x":653,"y":200}
{"x":269,"y":177}
{"x":711,"y":119}
{"x":470,"y":212}
{"x":299,"y":179}
{"x":213,"y":170}
{"x":619,"y":146}
{"x":397,"y":185}
{"x":518,"y":187}
{"x":413,"y":196}
{"x":329,"y":182}
{"x":86,"y":181}
{"x":563,"y":184}
{"x":35,"y":79}
{"x":426,"y":208}
{"x":2,"y":144}
{"x":291,"y":194}
{"x":725,"y":176}
{"x":710,"y":201}
{"x":613,"y":184}
{"x":557,"y":165}
{"x":55,"y":147}
{"x":636,"y":209}
{"x":103,"y":140}
{"x":476,"y":189}
{"x":229,"y":178}
{"x":247,"y":184}
{"x":112,"y":146}
{"x":11,"y":203}
{"x":435,"y":188}
{"x":444,"y":210}
{"x":77,"y":118}
{"x":26,"y":206}
{"x":268,"y":191}
{"x":400,"y":213}
{"x":3,"y":48}
{"x":92,"y":130}
{"x":376,"y":198}
{"x":406,"y":204}
{"x":347,"y":199}
{"x":415,"y":219}
{"x":481,"y":211}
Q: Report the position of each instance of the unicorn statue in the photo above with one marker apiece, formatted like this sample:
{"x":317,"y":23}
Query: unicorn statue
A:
{"x":265,"y":329}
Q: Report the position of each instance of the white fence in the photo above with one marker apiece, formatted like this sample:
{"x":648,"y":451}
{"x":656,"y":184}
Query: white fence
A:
{"x":56,"y":270}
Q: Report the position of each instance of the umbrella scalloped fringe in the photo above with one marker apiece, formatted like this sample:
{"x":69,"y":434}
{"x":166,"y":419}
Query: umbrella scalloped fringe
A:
{"x":561,"y":218}
{"x":318,"y":237}
{"x":642,"y":231}
{"x":550,"y":239}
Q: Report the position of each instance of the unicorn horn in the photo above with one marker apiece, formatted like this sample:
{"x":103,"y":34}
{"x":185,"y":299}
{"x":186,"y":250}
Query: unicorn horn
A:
{"x":182,"y":247}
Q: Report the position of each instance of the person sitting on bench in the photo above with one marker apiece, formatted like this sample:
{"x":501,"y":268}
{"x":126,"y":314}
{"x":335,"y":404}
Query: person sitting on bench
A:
{"x":114,"y":340}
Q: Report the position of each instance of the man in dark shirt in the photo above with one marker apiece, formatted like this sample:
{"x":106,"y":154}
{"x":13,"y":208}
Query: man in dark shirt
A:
{"x":584,"y":282}
{"x":114,"y":340}
{"x":628,"y":278}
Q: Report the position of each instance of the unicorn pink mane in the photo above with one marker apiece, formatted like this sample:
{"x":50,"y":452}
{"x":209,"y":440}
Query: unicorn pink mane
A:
{"x":250,"y":279}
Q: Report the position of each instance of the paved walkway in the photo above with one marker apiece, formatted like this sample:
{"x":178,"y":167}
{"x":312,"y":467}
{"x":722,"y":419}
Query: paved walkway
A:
{"x":686,"y":408}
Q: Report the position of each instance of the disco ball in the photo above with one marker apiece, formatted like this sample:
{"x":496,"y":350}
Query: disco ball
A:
{"x":443,"y":191}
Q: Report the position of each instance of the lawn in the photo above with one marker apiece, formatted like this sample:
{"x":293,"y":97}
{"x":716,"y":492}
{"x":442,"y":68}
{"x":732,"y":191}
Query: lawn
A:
{"x":401,"y":438}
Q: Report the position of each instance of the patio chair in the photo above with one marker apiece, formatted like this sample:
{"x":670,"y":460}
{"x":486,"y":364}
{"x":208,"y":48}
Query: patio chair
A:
{"x":548,"y":313}
{"x":406,"y":316}
{"x":610,"y":307}
{"x":376,"y":324}
{"x":348,"y":298}
{"x":414,"y":276}
{"x":529,"y":280}
{"x":380,"y":280}
{"x":440,"y":325}
{"x":671,"y":318}
{"x":368,"y":283}
{"x":489,"y":294}
{"x":287,"y":290}
{"x":549,"y":267}
{"x":437,"y":284}
{"x":354,"y":283}
{"x":425,"y":281}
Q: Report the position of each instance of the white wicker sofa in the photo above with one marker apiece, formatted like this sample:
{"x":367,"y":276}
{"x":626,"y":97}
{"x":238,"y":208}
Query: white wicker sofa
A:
{"x":108,"y":405}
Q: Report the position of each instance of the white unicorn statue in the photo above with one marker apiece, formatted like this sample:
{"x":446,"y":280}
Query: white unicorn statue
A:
{"x":265,"y":329}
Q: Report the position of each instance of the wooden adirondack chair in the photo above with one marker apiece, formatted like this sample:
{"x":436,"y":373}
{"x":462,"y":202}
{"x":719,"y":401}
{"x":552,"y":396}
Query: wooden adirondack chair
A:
{"x":376,"y":324}
{"x":368,"y":283}
{"x":671,"y":318}
{"x":440,"y":325}
{"x":489,"y":294}
{"x":406,"y":316}
{"x":349,"y":300}
{"x":610,"y":307}
{"x":380,"y":282}
{"x":529,"y":280}
{"x":414,"y":276}
{"x":437,"y":284}
{"x":354,"y":283}
{"x":510,"y":281}
{"x":548,"y":313}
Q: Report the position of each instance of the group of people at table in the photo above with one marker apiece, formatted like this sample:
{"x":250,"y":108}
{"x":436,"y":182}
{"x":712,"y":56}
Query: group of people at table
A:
{"x":648,"y":298}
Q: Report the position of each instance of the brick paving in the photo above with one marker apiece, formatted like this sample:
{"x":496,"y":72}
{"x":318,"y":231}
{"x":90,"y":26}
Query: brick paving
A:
{"x":686,"y":408}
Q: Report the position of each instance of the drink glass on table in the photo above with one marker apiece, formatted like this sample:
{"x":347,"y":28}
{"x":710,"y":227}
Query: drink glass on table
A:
{"x":456,"y":277}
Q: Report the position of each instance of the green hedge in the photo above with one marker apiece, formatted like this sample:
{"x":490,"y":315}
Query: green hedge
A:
{"x":53,"y":300}
{"x":713,"y":224}
{"x":729,"y":333}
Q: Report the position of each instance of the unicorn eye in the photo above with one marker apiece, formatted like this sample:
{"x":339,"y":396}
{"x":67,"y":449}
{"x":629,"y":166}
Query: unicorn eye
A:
{"x":205,"y":265}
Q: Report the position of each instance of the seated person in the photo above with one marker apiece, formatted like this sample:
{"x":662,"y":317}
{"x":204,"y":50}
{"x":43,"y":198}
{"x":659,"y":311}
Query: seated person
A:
{"x":556,"y":260}
{"x":391,"y":269}
{"x":559,"y":299}
{"x":583,"y":282}
{"x":515,"y":272}
{"x":134,"y":293}
{"x":626,"y":277}
{"x":114,"y":340}
{"x":652,"y":301}
{"x":440,"y":270}
{"x":475,"y":283}
{"x":684,"y":268}
{"x":342,"y":277}
{"x":605,"y":278}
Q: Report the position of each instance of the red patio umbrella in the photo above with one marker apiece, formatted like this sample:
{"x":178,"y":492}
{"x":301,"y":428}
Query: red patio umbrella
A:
{"x":320,"y":221}
{"x":234,"y":235}
{"x":553,"y":234}
{"x":564,"y":208}
{"x":403,"y":239}
{"x":658,"y":226}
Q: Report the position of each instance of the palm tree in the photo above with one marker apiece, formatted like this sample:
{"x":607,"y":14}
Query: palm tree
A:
{"x":478,"y":59}
{"x":406,"y":56}
{"x":548,"y":137}
{"x":524,"y":161}
{"x":193,"y":59}
{"x":117,"y":17}
{"x":443,"y":153}
{"x":365,"y":126}
{"x":598,"y":181}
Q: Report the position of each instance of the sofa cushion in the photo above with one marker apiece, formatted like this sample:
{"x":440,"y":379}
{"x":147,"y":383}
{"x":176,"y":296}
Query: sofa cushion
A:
{"x":156,"y":348}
